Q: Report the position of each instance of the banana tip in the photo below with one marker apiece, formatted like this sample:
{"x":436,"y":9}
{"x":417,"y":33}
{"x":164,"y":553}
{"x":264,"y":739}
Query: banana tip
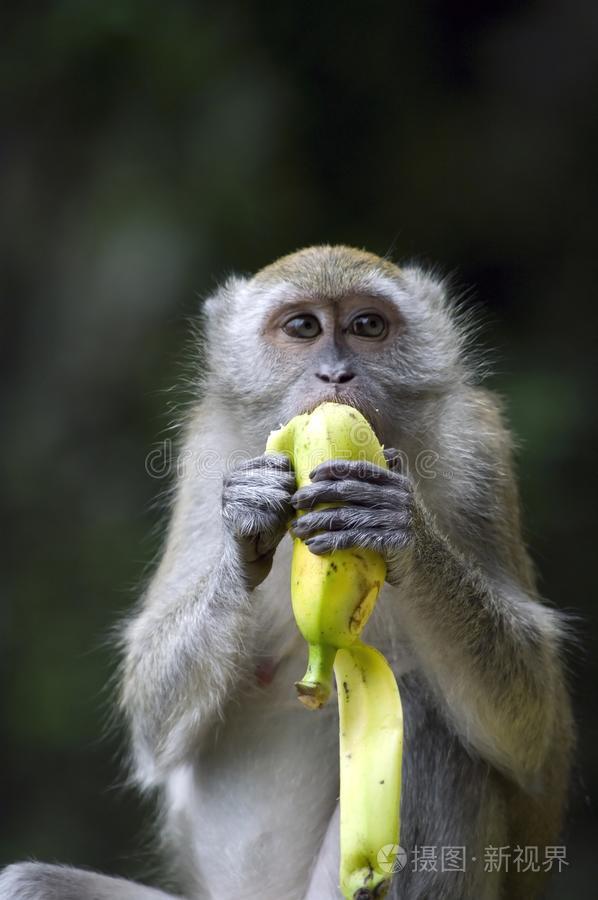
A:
{"x":312,"y":695}
{"x":364,"y":893}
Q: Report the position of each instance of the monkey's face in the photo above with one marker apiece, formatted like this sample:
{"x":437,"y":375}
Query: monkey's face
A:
{"x":331,"y":323}
{"x":334,"y":350}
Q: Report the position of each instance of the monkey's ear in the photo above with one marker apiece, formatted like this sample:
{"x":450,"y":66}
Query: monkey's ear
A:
{"x":426,"y":285}
{"x":224,"y":298}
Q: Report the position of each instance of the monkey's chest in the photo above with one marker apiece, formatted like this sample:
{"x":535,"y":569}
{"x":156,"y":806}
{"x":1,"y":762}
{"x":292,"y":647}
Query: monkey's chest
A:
{"x":254,"y":809}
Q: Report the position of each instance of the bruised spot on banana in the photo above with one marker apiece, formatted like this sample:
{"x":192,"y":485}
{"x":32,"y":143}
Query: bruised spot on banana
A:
{"x":333,"y":596}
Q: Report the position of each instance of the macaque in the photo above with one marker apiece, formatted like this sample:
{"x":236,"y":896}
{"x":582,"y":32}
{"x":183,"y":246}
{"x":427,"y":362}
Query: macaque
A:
{"x":247,"y":777}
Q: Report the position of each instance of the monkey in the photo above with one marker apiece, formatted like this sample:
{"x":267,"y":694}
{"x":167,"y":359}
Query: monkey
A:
{"x":247,"y":778}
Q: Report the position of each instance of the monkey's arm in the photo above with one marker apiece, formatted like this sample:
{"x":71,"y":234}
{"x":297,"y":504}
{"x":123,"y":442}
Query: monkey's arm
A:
{"x":191,"y":644}
{"x":490,"y":651}
{"x":183,"y":653}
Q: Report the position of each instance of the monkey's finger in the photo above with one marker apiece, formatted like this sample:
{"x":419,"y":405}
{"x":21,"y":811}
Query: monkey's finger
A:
{"x":369,"y":539}
{"x":249,"y":524}
{"x":359,"y":469}
{"x":251,"y":498}
{"x":359,"y":493}
{"x":394,"y":459}
{"x":346,"y":518}
{"x":265,"y":461}
{"x":258,"y":481}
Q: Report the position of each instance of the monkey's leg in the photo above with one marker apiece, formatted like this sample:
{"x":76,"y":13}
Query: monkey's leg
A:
{"x":36,"y":881}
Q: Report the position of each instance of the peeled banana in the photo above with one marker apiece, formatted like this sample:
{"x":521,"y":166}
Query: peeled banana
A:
{"x":333,"y":596}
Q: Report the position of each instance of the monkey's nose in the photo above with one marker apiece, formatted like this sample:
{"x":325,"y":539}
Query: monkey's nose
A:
{"x":335,"y":376}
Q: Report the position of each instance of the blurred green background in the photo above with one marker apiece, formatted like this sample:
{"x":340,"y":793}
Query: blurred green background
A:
{"x":147,"y":150}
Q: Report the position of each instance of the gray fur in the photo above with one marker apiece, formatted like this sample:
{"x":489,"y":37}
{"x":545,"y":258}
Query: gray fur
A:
{"x":36,"y":881}
{"x":248,"y":778}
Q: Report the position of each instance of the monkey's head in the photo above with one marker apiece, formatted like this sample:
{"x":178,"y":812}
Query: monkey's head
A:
{"x":330,"y":323}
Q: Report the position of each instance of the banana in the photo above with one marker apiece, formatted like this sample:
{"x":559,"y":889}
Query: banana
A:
{"x":333,"y":596}
{"x":371,"y":748}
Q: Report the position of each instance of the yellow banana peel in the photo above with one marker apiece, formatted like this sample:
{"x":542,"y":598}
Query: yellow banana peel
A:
{"x":371,"y":750}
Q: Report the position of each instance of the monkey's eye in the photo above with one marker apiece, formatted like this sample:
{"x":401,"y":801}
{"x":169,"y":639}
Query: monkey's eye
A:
{"x":302,"y":327}
{"x":368,"y":325}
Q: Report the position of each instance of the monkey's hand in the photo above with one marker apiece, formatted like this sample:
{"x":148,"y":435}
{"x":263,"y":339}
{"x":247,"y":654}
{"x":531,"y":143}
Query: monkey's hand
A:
{"x":377,"y":512}
{"x":256,"y":508}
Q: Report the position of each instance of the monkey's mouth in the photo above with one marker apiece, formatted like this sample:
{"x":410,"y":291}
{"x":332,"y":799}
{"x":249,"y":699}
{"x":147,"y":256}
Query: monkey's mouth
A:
{"x":348,"y":397}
